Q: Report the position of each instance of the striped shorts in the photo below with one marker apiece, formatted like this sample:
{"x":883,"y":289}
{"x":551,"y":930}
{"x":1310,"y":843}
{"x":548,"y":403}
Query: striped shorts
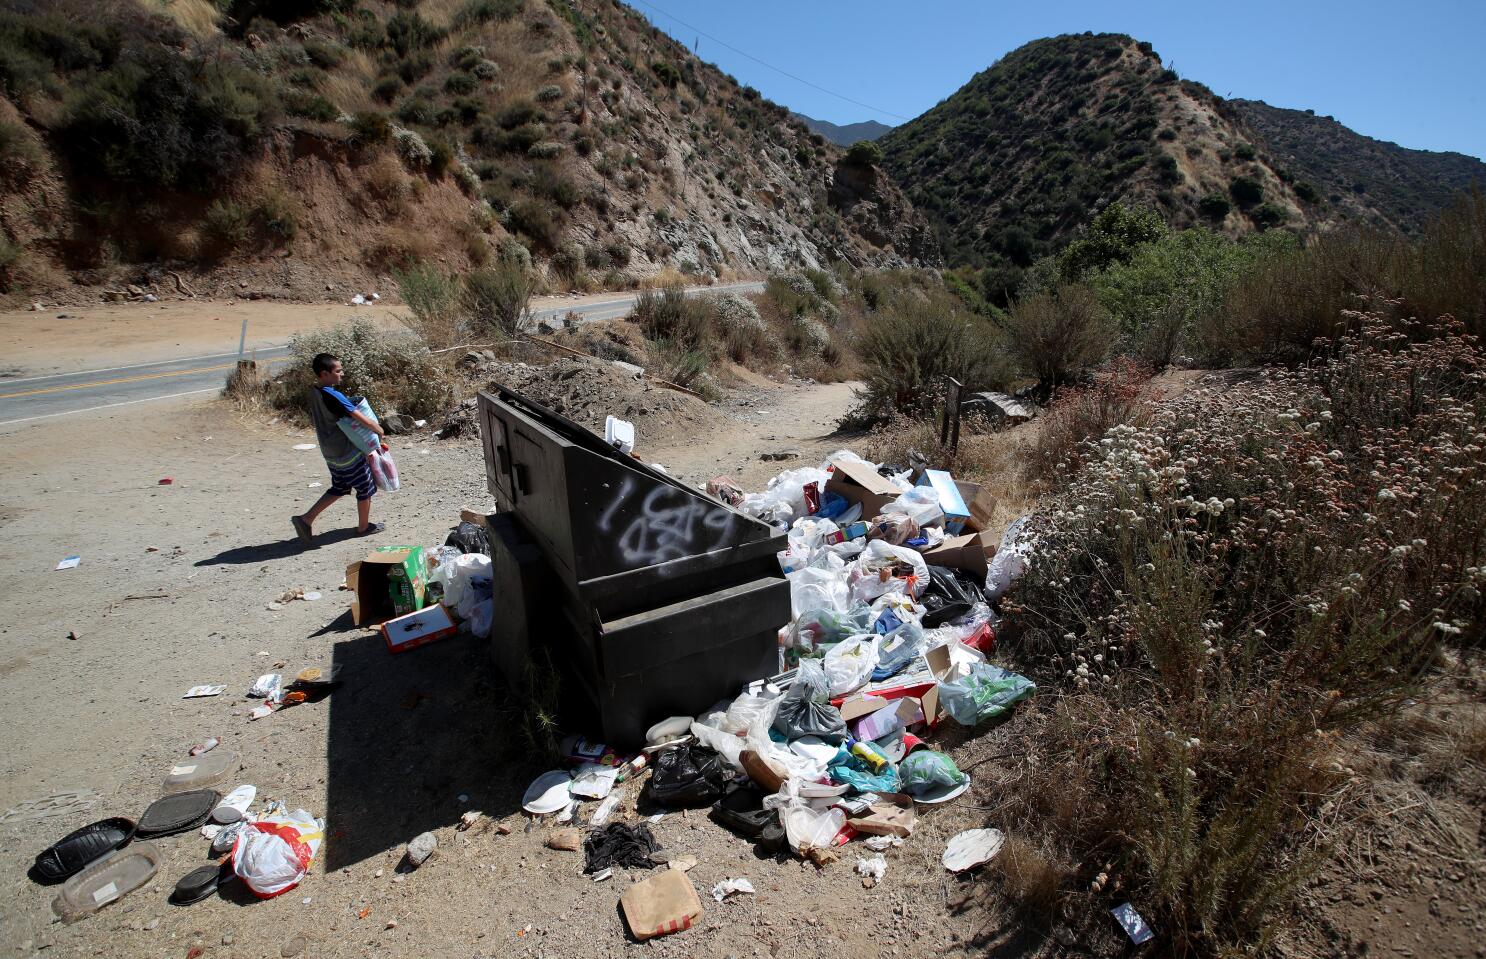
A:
{"x":357,"y":478}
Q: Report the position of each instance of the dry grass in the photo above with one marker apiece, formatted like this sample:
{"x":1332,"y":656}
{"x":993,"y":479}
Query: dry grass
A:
{"x":349,"y":85}
{"x":1030,"y":878}
{"x":199,"y":18}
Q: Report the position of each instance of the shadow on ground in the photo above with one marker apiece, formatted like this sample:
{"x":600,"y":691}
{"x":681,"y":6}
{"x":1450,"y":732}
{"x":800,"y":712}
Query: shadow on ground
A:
{"x":409,"y":734}
{"x":283,"y":549}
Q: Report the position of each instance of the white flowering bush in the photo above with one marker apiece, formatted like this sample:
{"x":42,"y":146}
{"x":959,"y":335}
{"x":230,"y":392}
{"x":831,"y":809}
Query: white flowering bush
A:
{"x":1228,"y":587}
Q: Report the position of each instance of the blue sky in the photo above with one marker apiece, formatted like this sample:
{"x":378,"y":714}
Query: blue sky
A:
{"x":1411,"y":71}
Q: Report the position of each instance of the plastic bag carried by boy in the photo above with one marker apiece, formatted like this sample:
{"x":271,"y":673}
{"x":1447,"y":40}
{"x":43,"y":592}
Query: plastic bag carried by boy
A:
{"x":273,"y":854}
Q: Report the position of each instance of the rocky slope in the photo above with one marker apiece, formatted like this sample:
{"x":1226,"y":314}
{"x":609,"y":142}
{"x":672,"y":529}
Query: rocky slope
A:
{"x":1361,"y":178}
{"x":1013,"y":164}
{"x":280,"y":147}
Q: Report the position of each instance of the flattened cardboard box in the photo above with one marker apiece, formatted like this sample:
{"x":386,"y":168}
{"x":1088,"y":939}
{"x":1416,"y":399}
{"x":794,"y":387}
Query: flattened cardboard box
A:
{"x":665,"y":903}
{"x":970,"y":552}
{"x":860,"y":483}
{"x":367,"y":580}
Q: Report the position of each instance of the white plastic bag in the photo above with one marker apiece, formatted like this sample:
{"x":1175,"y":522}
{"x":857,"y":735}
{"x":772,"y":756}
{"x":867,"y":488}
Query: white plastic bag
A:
{"x":384,"y":471}
{"x":920,"y":504}
{"x":819,"y":587}
{"x":272,"y":854}
{"x":865,"y":574}
{"x":849,"y":665}
{"x":784,"y":500}
{"x":482,"y":617}
{"x":748,"y":709}
{"x":466,"y":582}
{"x":1010,"y":560}
{"x":808,"y":829}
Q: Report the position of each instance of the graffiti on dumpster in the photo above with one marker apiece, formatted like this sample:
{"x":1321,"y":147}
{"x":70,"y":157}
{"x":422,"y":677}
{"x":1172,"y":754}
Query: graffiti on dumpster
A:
{"x":665,"y":524}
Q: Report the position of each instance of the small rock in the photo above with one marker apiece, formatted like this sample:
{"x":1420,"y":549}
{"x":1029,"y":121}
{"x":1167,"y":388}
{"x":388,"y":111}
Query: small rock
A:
{"x":468,"y":819}
{"x":378,"y":874}
{"x":502,"y":829}
{"x":227,"y":939}
{"x":151,"y":925}
{"x":293,"y":947}
{"x":422,"y":846}
{"x":779,"y":455}
{"x":391,"y":923}
{"x":567,"y":840}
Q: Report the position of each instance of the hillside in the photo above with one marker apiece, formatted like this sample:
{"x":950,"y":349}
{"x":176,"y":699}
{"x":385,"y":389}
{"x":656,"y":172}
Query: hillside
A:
{"x":265,"y":150}
{"x":844,"y":135}
{"x":1014,"y":163}
{"x":1361,"y":178}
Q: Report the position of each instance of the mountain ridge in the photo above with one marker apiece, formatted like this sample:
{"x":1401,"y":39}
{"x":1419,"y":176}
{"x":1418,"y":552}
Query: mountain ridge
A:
{"x":844,"y":134}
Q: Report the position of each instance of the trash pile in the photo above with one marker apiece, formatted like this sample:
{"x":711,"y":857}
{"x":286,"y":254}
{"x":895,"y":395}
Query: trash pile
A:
{"x":892,"y":578}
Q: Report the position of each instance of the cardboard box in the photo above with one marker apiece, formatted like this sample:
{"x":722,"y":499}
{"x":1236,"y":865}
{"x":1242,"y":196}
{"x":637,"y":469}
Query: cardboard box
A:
{"x":418,"y":629}
{"x":860,"y":483}
{"x":370,"y":582}
{"x":946,"y":662}
{"x":970,"y":552}
{"x":665,"y":903}
{"x":956,"y":513}
{"x":895,"y":714}
{"x":981,"y":503}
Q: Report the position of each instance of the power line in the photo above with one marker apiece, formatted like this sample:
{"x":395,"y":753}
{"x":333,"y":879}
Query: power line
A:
{"x":741,"y":53}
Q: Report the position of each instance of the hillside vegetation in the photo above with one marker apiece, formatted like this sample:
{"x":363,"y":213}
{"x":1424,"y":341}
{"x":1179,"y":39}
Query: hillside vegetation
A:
{"x":1018,"y":161}
{"x":1363,"y":179}
{"x":284,"y":144}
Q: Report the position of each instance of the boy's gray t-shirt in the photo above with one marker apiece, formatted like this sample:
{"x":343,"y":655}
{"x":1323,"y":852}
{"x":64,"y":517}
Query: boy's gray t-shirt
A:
{"x":335,"y":445}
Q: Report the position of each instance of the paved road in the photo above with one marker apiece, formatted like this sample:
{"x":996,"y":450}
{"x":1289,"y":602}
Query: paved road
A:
{"x":43,"y":397}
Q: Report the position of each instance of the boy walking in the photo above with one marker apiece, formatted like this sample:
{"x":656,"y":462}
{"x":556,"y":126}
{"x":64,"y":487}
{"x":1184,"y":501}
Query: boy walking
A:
{"x":349,"y":470}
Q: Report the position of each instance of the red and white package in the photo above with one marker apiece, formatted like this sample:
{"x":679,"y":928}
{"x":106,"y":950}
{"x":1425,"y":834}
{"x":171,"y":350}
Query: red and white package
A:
{"x":273,"y":854}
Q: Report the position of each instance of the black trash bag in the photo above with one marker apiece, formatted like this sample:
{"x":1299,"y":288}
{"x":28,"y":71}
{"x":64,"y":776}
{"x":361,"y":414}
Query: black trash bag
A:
{"x":619,"y":844}
{"x":742,"y":813}
{"x":806,"y":708}
{"x":951,"y":594}
{"x":469,"y":538}
{"x":688,"y":776}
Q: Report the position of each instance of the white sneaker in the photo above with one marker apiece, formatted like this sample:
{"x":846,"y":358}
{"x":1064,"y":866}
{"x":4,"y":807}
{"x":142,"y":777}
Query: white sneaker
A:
{"x":234,"y":806}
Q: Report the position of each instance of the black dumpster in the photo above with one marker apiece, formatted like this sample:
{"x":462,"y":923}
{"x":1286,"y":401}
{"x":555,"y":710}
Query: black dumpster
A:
{"x":652,"y":598}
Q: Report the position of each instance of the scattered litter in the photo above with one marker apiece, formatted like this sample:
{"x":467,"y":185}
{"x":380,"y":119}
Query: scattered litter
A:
{"x":687,"y":864}
{"x":268,"y":686}
{"x":70,"y":562}
{"x":871,"y":869}
{"x":619,"y":434}
{"x":467,"y":820}
{"x":421,"y":847}
{"x":261,"y":712}
{"x":606,"y":809}
{"x":566,"y":815}
{"x":729,"y":887}
{"x":210,"y":830}
{"x":234,"y":806}
{"x":663,"y":904}
{"x":304,"y":446}
{"x":882,"y":843}
{"x":316,"y":485}
{"x":593,"y":781}
{"x":165,"y":481}
{"x":419,"y":424}
{"x":207,"y":746}
{"x":273,"y":854}
{"x":619,"y":844}
{"x":603,"y":874}
{"x":215,"y":689}
{"x":1132,"y":923}
{"x":548,"y":793}
{"x":971,"y":848}
{"x":310,"y":597}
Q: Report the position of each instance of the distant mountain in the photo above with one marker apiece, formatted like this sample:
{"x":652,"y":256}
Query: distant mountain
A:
{"x":1360,"y":177}
{"x":1014,"y":163}
{"x":844,"y":135}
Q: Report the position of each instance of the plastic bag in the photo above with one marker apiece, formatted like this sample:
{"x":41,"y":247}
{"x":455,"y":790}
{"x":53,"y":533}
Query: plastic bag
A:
{"x":898,"y":649}
{"x":747,"y":710}
{"x":885,"y":568}
{"x":272,"y":854}
{"x":951,"y":593}
{"x":849,"y":665}
{"x":727,"y":745}
{"x":819,"y":587}
{"x":363,"y":438}
{"x":986,"y":692}
{"x":469,"y":538}
{"x":1011,"y":558}
{"x":847,"y":768}
{"x":689,"y":775}
{"x":924,"y":770}
{"x":784,"y":500}
{"x":466,"y":582}
{"x":819,"y":627}
{"x":806,"y":710}
{"x":384,"y":471}
{"x":482,"y":617}
{"x":808,"y":829}
{"x":895,"y":528}
{"x":920,"y":504}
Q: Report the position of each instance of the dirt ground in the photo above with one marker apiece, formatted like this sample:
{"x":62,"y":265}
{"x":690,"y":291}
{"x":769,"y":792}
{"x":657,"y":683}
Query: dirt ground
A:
{"x":173,"y":590}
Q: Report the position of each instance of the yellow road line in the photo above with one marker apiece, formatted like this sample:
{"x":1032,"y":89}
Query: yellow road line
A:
{"x":130,"y":379}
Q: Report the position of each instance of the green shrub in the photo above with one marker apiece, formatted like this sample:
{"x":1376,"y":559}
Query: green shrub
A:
{"x":672,"y":316}
{"x":1246,"y":191}
{"x":433,"y":299}
{"x":1269,"y":215}
{"x":1111,"y":237}
{"x":387,"y":88}
{"x":1056,"y":336}
{"x":324,"y":54}
{"x":371,"y":128}
{"x":407,"y":31}
{"x":536,"y":220}
{"x":497,"y":297}
{"x":417,"y":110}
{"x":159,"y":118}
{"x":545,"y":150}
{"x":864,"y":153}
{"x":11,"y":255}
{"x":1214,"y":206}
{"x":392,"y":370}
{"x":19,"y":153}
{"x":311,"y":106}
{"x":517,"y":114}
{"x":226,"y":226}
{"x":484,"y":11}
